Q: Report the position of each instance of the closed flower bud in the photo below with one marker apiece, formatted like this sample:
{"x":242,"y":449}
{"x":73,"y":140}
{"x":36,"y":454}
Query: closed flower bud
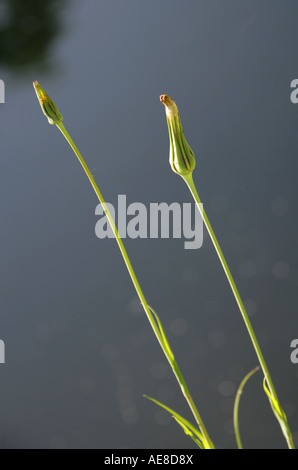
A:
{"x":182,"y":159}
{"x":48,"y":106}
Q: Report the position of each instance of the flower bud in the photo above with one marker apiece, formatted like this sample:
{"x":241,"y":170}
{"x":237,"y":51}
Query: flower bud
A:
{"x":48,"y":107}
{"x":182,"y":159}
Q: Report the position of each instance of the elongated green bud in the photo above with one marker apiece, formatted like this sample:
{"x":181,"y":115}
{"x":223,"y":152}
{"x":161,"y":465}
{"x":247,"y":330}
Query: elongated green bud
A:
{"x":182,"y":159}
{"x":48,"y":106}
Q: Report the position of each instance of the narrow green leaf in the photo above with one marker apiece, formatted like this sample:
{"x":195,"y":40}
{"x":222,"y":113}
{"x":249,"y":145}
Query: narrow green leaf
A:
{"x":189,"y":433}
{"x":279,"y":414}
{"x":236,"y":405}
{"x":183,"y":421}
{"x":274,"y":403}
{"x":163,"y":335}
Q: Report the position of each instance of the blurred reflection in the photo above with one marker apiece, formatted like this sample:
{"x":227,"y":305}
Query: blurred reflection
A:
{"x":27,"y":30}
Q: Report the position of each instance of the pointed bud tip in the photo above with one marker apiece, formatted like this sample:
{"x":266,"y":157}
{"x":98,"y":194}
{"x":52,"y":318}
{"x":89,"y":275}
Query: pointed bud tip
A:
{"x":48,"y":107}
{"x":37,"y":87}
{"x":182,"y":159}
{"x":170,"y":105}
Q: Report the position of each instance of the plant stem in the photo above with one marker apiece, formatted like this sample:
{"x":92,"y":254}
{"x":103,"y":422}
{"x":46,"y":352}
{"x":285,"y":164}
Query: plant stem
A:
{"x":236,"y":406}
{"x":173,"y":364}
{"x":190,"y":183}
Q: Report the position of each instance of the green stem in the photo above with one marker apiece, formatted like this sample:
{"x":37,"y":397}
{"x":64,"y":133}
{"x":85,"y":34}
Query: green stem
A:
{"x":236,"y":406}
{"x":173,"y":364}
{"x":190,"y":183}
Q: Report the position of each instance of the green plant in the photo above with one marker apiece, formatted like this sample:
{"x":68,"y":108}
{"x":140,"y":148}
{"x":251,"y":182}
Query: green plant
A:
{"x":55,"y":117}
{"x":182,"y":162}
{"x":236,"y":405}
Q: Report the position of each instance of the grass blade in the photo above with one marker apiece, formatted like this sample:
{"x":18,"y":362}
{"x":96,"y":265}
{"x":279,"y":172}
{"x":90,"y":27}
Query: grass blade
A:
{"x":187,"y":427}
{"x":236,"y":405}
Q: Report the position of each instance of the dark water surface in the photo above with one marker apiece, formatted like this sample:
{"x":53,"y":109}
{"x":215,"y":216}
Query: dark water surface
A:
{"x":80,"y":353}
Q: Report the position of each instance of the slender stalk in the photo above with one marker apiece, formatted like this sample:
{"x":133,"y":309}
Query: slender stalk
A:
{"x":236,"y":406}
{"x":286,"y":431}
{"x":172,"y":362}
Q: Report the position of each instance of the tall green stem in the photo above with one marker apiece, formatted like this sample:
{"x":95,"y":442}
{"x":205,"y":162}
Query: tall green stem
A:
{"x":236,"y":405}
{"x":170,"y":358}
{"x":274,"y":399}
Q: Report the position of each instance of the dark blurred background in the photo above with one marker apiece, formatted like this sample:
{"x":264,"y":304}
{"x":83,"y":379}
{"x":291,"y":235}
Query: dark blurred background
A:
{"x":79,"y":350}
